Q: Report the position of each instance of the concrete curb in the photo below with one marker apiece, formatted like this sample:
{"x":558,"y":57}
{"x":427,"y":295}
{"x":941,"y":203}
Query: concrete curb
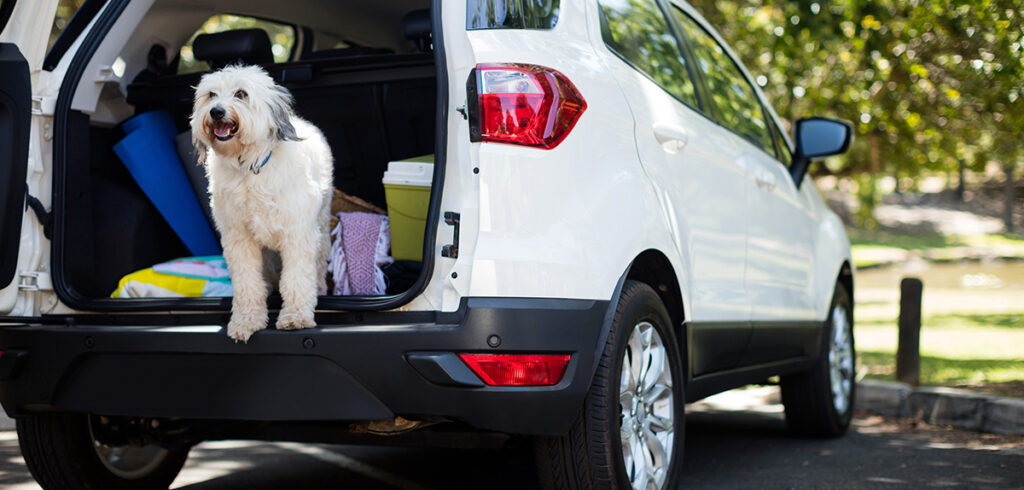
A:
{"x":942,"y":406}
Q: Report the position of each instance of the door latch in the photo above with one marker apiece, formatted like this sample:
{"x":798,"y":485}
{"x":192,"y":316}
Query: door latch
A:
{"x":452,"y":251}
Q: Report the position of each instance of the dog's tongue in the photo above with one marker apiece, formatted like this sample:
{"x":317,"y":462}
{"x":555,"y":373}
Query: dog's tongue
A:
{"x":222,"y":131}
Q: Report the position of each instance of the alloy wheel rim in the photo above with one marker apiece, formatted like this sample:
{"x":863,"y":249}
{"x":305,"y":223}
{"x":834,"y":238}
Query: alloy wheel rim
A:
{"x":128,"y":462}
{"x":840,"y":359}
{"x":646,"y":408}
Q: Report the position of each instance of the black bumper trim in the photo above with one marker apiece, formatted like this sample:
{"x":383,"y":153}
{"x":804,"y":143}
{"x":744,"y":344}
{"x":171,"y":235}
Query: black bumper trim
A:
{"x":444,"y":368}
{"x":333,"y":372}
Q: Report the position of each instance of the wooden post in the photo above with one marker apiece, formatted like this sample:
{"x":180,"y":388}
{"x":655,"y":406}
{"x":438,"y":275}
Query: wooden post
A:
{"x":908,"y":351}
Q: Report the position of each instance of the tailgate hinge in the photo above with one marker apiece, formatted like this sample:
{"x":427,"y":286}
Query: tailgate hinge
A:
{"x":35,"y":281}
{"x":43,"y":106}
{"x":452,"y":251}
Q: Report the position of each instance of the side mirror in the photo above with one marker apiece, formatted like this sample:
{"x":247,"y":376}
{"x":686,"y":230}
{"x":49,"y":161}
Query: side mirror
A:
{"x":817,"y":138}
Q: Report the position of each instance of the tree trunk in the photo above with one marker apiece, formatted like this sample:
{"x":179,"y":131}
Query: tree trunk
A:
{"x":1008,"y":197}
{"x":874,"y":154}
{"x":960,"y":183}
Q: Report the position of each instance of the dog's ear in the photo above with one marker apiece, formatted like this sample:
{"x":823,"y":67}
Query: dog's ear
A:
{"x":280,"y":114}
{"x":200,"y":150}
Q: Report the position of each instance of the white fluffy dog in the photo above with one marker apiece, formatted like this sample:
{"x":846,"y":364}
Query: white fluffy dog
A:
{"x":271,"y":180}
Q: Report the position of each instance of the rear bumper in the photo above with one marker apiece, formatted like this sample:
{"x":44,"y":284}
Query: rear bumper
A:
{"x":387,"y":364}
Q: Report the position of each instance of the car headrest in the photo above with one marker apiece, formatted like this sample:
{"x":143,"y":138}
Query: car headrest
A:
{"x":417,"y":27}
{"x":245,"y":46}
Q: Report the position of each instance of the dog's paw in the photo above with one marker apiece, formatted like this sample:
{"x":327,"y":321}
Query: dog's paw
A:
{"x":242,"y":326}
{"x":295,"y":320}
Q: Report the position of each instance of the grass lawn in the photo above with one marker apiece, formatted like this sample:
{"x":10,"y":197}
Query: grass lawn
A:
{"x":963,"y":353}
{"x":872,"y":248}
{"x":972,"y":331}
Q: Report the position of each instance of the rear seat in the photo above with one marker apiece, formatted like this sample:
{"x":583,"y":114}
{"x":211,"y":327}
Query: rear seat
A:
{"x":372,"y":108}
{"x":244,"y":46}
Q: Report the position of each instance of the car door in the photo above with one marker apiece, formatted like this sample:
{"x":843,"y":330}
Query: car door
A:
{"x":703,"y":186}
{"x":24,"y":28}
{"x":782,"y":265}
{"x":779,"y":236}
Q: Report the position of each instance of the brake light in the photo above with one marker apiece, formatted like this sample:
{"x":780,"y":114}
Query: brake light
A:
{"x":518,"y":369}
{"x":524,"y":104}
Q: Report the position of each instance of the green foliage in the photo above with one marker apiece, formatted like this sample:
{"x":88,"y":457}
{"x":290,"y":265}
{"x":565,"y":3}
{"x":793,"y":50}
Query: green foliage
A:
{"x":926,"y":83}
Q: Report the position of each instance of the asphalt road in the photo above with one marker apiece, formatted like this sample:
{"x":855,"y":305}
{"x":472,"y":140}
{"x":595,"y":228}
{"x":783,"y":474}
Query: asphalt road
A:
{"x":724,"y":448}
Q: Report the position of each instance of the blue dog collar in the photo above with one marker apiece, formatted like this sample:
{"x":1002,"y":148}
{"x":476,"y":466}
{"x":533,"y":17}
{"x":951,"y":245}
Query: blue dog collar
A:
{"x":256,"y":167}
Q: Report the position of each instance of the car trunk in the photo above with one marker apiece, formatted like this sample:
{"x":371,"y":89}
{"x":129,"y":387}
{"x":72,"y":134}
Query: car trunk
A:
{"x":372,"y":108}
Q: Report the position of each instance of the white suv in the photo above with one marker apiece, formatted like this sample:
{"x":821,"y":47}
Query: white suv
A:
{"x":617,"y":226}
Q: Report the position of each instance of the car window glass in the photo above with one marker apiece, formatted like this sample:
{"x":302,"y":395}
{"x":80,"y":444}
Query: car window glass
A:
{"x":511,"y":14}
{"x":638,"y":31}
{"x":6,"y":8}
{"x":282,"y":38}
{"x":71,"y":19}
{"x":65,"y":11}
{"x":785,"y":156}
{"x":738,"y":107}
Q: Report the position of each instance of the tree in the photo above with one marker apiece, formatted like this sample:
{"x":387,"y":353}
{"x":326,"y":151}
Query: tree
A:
{"x":928,"y":83}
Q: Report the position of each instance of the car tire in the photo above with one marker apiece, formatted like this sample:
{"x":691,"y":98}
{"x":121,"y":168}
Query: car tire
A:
{"x":819,"y":402}
{"x":618,"y":420}
{"x":62,"y":454}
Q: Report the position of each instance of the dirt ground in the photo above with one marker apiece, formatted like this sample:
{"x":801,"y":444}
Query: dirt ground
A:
{"x":876,"y":424}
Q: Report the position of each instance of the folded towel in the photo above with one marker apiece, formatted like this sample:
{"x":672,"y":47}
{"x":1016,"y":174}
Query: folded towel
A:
{"x":189,"y":277}
{"x":360,"y":248}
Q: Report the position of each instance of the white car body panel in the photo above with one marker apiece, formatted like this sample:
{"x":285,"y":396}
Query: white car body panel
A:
{"x":566,"y":222}
{"x":29,"y":29}
{"x":704,"y":194}
{"x":781,"y":260}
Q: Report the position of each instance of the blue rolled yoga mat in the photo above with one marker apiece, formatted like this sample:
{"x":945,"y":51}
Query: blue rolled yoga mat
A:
{"x":149,"y":154}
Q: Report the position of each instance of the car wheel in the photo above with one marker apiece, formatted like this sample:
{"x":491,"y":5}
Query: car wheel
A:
{"x":819,"y":402}
{"x":62,"y":453}
{"x":629,"y":433}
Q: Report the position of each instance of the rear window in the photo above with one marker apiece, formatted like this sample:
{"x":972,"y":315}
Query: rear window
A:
{"x":637,"y":31}
{"x":511,"y":14}
{"x":282,"y":38}
{"x":65,"y":10}
{"x":733,"y":96}
{"x":6,"y":7}
{"x":70,"y":21}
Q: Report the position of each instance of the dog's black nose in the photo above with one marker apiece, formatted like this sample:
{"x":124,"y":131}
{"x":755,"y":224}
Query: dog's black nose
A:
{"x":217,"y":113}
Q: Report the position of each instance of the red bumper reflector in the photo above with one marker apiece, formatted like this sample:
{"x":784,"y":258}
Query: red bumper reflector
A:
{"x":518,"y":369}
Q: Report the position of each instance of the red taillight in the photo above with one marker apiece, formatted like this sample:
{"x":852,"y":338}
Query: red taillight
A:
{"x":518,"y":369}
{"x":526,"y":105}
